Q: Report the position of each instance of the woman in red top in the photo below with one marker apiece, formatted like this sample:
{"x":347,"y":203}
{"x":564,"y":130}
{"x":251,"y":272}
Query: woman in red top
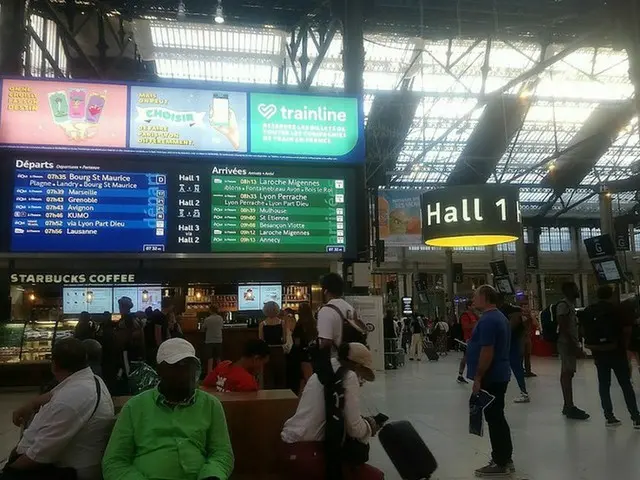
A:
{"x":468,"y":321}
{"x":241,"y":375}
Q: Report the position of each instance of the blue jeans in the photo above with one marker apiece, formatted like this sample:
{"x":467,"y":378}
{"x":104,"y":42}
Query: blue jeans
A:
{"x":516,"y":359}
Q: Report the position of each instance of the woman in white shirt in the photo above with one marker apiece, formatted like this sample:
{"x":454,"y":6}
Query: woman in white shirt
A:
{"x":304,"y":433}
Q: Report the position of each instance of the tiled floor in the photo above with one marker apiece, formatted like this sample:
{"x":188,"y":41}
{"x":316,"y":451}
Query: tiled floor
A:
{"x":547,"y":447}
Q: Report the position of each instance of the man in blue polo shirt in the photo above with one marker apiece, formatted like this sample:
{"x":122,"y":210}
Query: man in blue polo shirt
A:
{"x":488,"y":366}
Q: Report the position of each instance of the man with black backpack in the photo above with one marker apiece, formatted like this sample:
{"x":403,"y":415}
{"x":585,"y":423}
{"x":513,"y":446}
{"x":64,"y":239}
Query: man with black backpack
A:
{"x":607,"y":334}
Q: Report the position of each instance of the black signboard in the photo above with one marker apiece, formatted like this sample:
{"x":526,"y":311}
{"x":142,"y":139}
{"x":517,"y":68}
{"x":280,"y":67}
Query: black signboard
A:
{"x":458,"y":275}
{"x":623,"y":243}
{"x":532,"y":259}
{"x":499,"y":268}
{"x":501,"y":278}
{"x":600,"y":246}
{"x":488,"y":213}
{"x":407,"y":305}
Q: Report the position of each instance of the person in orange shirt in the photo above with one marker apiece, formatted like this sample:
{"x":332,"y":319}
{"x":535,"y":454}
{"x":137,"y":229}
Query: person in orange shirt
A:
{"x":241,"y":375}
{"x":468,"y":321}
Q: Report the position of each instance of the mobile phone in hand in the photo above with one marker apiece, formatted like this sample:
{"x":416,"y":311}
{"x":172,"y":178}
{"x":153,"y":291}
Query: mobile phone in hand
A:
{"x":380,"y":418}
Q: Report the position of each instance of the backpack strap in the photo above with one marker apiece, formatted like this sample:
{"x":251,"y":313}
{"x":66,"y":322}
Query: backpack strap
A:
{"x":335,"y":309}
{"x":98,"y":395}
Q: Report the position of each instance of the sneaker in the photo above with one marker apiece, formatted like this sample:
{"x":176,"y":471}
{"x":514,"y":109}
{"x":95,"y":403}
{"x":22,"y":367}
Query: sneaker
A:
{"x":461,"y":379}
{"x":523,"y":398}
{"x":530,"y":375}
{"x":574,"y":413}
{"x":613,"y":422}
{"x":636,"y":423}
{"x":493,"y":470}
{"x":511,"y":466}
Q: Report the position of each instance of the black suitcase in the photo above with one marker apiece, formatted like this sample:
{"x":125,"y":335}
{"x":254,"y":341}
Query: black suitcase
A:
{"x":430,"y":350}
{"x":407,"y":451}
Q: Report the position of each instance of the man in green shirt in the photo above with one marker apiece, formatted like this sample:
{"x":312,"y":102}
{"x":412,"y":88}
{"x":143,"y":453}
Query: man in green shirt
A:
{"x":173,"y":432}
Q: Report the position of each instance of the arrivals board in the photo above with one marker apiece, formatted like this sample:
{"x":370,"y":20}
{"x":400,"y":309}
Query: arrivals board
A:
{"x":172,"y":120}
{"x":124,"y":206}
{"x":295,"y":214}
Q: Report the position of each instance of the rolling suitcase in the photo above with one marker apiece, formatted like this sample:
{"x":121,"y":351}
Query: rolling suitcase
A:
{"x":430,"y":350}
{"x":407,"y":451}
{"x":400,"y":357}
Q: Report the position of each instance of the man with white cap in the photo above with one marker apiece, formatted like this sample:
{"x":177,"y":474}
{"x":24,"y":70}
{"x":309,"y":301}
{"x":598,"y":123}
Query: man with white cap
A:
{"x":174,"y":431}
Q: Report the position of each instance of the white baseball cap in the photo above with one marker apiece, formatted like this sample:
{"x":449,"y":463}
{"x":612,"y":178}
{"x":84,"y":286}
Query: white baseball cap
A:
{"x":175,"y":349}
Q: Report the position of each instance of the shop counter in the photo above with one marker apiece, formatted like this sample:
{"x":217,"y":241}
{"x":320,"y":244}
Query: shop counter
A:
{"x":255,"y":421}
{"x":233,"y":340}
{"x":28,"y":373}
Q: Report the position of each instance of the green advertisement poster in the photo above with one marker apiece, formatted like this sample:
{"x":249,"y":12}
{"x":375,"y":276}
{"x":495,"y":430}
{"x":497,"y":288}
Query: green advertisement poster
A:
{"x":303,"y":125}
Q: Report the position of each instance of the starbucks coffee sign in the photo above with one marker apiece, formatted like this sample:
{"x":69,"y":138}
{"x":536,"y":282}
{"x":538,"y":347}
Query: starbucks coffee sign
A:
{"x":471,"y":215}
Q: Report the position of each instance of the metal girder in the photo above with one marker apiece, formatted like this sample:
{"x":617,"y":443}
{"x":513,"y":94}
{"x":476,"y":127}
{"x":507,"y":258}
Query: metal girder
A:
{"x":298,"y":54}
{"x":73,"y":21}
{"x":482,"y":101}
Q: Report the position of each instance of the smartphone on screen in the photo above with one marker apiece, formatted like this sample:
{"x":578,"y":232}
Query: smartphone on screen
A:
{"x":220,"y":110}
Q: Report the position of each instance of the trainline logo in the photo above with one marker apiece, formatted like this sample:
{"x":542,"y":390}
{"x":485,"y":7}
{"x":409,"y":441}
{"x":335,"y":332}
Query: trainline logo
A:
{"x":267,"y":111}
{"x":318,"y":114}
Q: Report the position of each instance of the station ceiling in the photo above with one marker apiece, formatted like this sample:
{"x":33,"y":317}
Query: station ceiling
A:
{"x":439,"y":50}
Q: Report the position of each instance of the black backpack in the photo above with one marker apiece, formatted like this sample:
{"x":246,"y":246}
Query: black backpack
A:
{"x":598,"y":325}
{"x":549,"y":323}
{"x":353,"y":329}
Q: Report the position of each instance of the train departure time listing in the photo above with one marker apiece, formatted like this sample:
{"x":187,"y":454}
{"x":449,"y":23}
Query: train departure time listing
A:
{"x":76,"y":209}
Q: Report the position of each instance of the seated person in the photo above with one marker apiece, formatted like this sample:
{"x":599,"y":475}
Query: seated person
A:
{"x":304,"y":433}
{"x":71,"y":429}
{"x":240,"y":376}
{"x":94,"y":355}
{"x":174,"y":431}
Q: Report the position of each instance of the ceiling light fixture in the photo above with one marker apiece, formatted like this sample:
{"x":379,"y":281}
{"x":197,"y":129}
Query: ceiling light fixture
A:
{"x":219,"y":18}
{"x":182,"y":11}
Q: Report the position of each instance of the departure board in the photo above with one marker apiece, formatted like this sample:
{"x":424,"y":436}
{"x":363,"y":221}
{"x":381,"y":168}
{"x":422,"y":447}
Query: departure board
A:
{"x":271,"y":213}
{"x":112,"y":205}
{"x":87,"y":209}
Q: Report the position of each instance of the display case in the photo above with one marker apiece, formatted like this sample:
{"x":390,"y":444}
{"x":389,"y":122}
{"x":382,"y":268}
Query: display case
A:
{"x":31,"y":341}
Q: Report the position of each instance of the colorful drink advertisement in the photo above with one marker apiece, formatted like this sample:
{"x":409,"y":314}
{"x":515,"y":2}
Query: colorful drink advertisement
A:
{"x":63,"y":114}
{"x":303,"y":125}
{"x":399,"y":217}
{"x":188,"y":120}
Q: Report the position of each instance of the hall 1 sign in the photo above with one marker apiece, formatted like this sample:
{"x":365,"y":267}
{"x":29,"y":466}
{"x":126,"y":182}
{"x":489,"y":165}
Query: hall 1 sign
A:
{"x":471,"y":215}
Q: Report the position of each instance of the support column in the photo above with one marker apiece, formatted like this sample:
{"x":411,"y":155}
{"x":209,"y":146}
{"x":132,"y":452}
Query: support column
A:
{"x":351,"y":13}
{"x":13,"y":39}
{"x":521,"y":264}
{"x":448,"y":278}
{"x":635,"y":271}
{"x":543,"y":292}
{"x":606,"y":214}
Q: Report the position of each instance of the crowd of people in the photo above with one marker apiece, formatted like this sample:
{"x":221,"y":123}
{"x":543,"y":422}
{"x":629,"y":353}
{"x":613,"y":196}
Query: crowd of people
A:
{"x":176,"y":430}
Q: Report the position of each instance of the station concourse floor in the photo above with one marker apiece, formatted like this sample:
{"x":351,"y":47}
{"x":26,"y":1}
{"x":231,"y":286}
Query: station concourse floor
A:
{"x":547,"y":447}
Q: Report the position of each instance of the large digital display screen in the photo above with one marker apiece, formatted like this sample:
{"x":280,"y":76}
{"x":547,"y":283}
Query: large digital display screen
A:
{"x":86,"y":299}
{"x":122,"y":206}
{"x":143,"y":297}
{"x":172,"y":120}
{"x":253,"y":297}
{"x":87,"y":209}
{"x":260,"y":212}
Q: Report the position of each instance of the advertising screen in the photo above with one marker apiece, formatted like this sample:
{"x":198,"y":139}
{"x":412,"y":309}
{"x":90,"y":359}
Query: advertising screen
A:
{"x":142,"y":296}
{"x":134,"y":206}
{"x":86,"y":299}
{"x":271,"y":293}
{"x":57,"y":209}
{"x":188,"y":120}
{"x":173,"y":120}
{"x":249,"y":297}
{"x":63,"y":114}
